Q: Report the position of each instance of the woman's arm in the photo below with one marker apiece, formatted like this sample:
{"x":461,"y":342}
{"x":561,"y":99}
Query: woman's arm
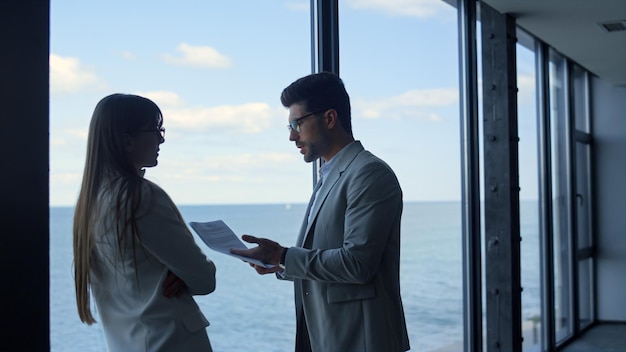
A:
{"x":163,"y":232}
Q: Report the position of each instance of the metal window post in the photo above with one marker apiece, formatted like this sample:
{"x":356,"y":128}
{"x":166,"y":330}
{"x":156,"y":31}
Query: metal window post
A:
{"x":501,"y":170}
{"x":470,"y":177}
{"x":324,"y":46}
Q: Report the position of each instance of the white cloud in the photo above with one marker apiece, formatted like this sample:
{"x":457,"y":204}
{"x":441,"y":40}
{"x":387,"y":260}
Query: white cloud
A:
{"x":299,"y":6}
{"x":127,"y":55}
{"x":67,"y":75}
{"x":79,"y":133}
{"x":163,"y":98}
{"x":198,"y":56}
{"x":247,"y":161}
{"x":245,"y":118}
{"x":66,"y":178}
{"x":425,"y":97}
{"x":241,"y":168}
{"x":409,"y":8}
{"x":416,"y":104}
{"x":526,"y":88}
{"x":66,"y":137}
{"x":57,"y":142}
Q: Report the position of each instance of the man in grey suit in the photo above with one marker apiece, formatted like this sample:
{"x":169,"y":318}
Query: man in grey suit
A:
{"x":346,"y":262}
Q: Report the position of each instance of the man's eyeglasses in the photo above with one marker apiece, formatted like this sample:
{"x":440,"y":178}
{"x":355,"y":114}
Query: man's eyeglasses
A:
{"x":294,"y":125}
{"x":157,"y":132}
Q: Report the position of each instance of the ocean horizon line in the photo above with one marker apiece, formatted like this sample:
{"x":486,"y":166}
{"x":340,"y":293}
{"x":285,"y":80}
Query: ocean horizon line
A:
{"x":59,"y":206}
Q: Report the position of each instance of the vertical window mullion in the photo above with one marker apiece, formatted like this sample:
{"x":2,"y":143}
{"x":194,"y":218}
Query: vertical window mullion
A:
{"x":545,"y":197}
{"x":470,"y":177}
{"x":570,"y":162}
{"x":324,"y":47}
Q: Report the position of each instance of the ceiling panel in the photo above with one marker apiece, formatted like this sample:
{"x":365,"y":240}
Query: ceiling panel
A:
{"x":573,"y":28}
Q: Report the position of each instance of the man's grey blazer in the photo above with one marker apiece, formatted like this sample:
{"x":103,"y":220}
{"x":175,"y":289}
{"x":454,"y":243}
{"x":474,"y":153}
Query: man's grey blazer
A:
{"x":345,"y":266}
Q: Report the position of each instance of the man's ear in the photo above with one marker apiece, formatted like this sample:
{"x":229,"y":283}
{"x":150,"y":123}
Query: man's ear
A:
{"x":331,"y":118}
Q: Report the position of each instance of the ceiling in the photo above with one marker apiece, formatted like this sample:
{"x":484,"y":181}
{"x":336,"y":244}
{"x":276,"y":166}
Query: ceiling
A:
{"x":573,"y":28}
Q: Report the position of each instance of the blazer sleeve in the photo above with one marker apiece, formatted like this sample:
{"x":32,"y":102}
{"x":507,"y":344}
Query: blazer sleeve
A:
{"x":365,"y":210}
{"x":165,"y":235}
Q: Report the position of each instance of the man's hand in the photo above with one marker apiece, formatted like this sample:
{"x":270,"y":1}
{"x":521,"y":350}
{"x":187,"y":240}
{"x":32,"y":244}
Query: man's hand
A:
{"x":261,"y":270}
{"x":267,"y":251}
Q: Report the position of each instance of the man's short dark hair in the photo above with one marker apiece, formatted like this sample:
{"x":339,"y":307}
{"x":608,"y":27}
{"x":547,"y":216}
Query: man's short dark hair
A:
{"x":320,"y":92}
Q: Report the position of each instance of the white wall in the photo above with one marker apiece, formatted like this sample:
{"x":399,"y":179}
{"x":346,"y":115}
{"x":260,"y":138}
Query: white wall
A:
{"x":609,"y":152}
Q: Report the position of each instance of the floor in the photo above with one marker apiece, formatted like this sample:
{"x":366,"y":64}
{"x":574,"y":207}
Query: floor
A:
{"x":606,"y":337}
{"x":600,"y":338}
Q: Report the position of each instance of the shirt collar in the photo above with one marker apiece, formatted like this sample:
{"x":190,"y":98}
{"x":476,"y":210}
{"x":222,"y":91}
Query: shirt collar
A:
{"x":329,"y":164}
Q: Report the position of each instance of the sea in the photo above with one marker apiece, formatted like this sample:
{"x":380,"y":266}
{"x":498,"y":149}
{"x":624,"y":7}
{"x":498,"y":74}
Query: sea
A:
{"x":249,"y":312}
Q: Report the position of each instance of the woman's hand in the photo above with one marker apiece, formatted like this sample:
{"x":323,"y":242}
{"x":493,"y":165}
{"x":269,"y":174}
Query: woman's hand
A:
{"x":173,"y":286}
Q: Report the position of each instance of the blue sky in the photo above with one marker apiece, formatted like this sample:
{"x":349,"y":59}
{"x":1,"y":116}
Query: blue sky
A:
{"x":216,"y":69}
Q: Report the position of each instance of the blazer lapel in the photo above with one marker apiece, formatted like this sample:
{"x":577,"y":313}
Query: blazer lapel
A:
{"x":304,"y":228}
{"x":345,"y":158}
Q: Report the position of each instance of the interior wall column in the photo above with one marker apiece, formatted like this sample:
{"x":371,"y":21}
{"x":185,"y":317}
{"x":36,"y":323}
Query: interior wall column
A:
{"x":24,"y":189}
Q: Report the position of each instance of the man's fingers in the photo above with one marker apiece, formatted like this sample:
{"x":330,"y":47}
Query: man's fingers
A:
{"x":239,"y":251}
{"x":250,"y":239}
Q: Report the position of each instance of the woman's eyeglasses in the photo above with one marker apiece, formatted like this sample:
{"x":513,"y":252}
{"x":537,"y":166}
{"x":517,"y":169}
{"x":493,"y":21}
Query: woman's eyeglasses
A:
{"x":157,"y":132}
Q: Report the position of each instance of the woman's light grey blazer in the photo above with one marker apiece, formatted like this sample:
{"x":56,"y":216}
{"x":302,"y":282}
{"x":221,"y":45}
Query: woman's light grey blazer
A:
{"x":134,"y":313}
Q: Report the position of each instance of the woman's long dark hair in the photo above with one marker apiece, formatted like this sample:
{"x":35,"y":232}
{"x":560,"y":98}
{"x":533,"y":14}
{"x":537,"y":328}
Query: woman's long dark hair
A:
{"x":107,"y":163}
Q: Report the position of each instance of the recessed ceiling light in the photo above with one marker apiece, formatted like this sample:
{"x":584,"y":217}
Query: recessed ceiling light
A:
{"x":613,"y":26}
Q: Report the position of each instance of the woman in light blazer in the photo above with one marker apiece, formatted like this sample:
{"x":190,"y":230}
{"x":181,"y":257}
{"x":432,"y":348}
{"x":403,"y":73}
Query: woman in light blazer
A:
{"x":133,"y":253}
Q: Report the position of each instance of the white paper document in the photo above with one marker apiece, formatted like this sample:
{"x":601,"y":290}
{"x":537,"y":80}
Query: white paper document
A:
{"x":219,"y":237}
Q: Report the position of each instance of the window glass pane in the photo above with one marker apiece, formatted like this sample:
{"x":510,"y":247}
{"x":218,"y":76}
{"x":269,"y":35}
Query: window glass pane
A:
{"x":584,"y":236}
{"x":529,"y":206}
{"x":400,"y":65}
{"x":216,"y":69}
{"x":583,"y":195}
{"x":581,"y":98}
{"x":585,"y":292}
{"x":560,"y":193}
